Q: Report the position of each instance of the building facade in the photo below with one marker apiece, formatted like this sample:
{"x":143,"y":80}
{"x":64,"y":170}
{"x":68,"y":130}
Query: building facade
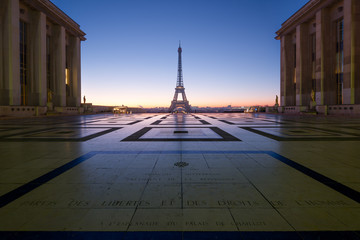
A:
{"x":40,"y":68}
{"x":320,"y":58}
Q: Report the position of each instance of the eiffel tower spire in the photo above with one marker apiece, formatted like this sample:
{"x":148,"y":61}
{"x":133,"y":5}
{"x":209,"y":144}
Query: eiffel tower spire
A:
{"x":175,"y":103}
{"x":180,"y":82}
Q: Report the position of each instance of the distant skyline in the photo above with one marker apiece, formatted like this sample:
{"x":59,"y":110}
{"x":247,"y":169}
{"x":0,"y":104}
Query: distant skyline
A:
{"x":230,"y":56}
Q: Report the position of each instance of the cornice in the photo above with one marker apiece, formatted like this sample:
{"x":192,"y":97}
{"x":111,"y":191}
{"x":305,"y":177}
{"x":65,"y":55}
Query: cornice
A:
{"x":55,"y":14}
{"x":304,"y":14}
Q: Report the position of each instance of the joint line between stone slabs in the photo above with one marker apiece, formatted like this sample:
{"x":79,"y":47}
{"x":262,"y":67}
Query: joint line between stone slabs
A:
{"x":26,"y":188}
{"x":181,"y":178}
{"x":207,"y":164}
{"x":233,"y":218}
{"x":178,"y":235}
{"x":350,"y":193}
{"x":141,"y":196}
{"x":274,"y":208}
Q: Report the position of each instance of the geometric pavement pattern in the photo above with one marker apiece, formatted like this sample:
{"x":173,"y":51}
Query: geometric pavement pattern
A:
{"x":196,"y":176}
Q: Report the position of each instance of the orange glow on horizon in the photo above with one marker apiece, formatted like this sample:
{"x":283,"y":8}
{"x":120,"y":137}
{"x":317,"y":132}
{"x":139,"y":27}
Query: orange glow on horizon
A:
{"x":166,"y":105}
{"x":138,"y":97}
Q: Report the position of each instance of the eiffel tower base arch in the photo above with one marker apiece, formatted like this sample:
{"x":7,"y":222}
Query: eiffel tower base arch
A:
{"x":178,"y":104}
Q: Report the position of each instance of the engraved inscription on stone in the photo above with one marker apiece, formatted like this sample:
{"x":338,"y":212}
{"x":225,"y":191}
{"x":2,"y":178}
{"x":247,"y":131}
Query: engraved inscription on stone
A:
{"x":196,"y":223}
{"x":318,"y":203}
{"x":238,"y":203}
{"x":188,"y":203}
{"x":249,"y":223}
{"x":118,"y":203}
{"x":39,"y":203}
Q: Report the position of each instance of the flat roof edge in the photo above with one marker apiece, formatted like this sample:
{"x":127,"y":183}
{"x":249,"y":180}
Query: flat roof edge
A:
{"x":297,"y":16}
{"x":58,"y":16}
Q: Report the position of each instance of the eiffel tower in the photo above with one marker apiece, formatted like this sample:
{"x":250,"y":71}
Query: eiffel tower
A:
{"x":175,"y":103}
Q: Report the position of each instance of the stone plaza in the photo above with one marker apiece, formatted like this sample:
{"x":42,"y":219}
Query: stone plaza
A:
{"x":175,"y":176}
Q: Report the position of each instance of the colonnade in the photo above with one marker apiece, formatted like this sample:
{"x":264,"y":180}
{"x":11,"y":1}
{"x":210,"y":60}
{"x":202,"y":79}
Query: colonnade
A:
{"x":51,"y":67}
{"x":320,"y":57}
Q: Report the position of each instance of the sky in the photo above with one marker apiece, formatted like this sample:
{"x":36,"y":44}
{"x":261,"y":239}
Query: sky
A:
{"x":230,"y":56}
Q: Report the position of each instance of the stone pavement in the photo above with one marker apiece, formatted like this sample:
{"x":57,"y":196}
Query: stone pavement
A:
{"x":196,"y":176}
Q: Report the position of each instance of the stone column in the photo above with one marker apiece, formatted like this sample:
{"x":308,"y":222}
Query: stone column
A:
{"x":351,"y":51}
{"x":3,"y":99}
{"x":303,"y":65}
{"x":76,"y":70}
{"x":324,"y":58}
{"x":59,"y":95}
{"x":10,"y":53}
{"x":287,"y":71}
{"x":348,"y":87}
{"x":355,"y":51}
{"x":282,"y":72}
{"x":38,"y":95}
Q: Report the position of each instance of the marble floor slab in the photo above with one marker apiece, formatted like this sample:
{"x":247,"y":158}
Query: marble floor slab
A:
{"x":195,"y":176}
